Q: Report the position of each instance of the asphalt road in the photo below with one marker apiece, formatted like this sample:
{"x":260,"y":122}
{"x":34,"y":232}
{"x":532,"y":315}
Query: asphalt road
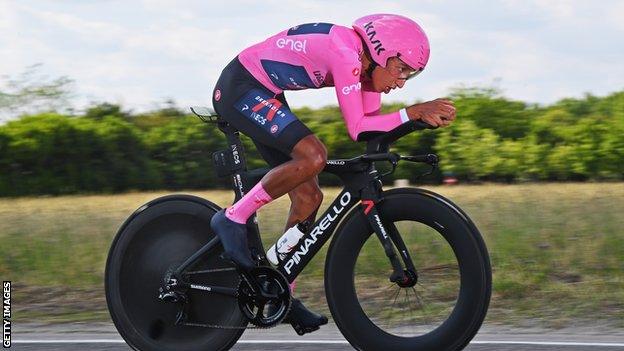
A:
{"x":103,"y":337}
{"x":307,"y":347}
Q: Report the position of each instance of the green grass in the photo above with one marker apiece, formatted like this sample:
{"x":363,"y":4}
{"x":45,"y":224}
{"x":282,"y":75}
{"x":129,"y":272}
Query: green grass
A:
{"x":557,"y":250}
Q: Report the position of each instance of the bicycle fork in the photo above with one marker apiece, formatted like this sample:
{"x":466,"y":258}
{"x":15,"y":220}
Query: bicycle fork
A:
{"x":389,"y":236}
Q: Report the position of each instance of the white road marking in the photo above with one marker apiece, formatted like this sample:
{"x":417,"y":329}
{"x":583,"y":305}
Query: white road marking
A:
{"x":70,"y":341}
{"x":549,"y":343}
{"x":344,"y":342}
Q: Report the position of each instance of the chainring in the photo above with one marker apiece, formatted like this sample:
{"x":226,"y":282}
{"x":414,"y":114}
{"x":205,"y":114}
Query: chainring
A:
{"x":267,"y":306}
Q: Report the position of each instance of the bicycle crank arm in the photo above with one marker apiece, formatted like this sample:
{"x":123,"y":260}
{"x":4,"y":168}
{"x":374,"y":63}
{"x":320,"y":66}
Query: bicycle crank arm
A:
{"x":254,"y":286}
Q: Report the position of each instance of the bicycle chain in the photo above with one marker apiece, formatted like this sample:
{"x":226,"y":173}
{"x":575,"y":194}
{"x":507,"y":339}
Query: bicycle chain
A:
{"x":228,"y":327}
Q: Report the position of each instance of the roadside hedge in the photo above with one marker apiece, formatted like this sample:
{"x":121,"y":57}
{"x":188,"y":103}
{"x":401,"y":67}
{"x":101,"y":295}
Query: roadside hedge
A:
{"x":493,"y":139}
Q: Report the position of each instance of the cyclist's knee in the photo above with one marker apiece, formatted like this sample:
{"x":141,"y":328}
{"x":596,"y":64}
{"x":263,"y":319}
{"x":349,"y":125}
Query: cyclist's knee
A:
{"x":312,"y":154}
{"x":318,"y":161}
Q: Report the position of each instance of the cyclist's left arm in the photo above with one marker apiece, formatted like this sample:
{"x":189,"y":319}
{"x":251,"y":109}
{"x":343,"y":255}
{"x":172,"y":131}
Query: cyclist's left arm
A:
{"x":372,"y":102}
{"x":351,"y":101}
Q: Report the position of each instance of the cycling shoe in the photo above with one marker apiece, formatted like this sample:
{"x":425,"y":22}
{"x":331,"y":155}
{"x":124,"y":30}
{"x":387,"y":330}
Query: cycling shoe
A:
{"x":233,"y":238}
{"x":303,"y":320}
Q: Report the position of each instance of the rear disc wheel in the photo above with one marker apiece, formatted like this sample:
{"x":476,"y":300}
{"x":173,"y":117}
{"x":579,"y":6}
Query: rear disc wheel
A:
{"x":161,"y":236}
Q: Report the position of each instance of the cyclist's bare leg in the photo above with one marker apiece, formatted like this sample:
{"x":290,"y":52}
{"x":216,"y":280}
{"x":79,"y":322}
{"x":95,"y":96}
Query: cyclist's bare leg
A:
{"x":305,"y":201}
{"x":308,"y":160}
{"x":299,"y":178}
{"x":304,"y":204}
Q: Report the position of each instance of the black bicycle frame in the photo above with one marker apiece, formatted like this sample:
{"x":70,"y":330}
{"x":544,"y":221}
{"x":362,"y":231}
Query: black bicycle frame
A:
{"x":361,"y":184}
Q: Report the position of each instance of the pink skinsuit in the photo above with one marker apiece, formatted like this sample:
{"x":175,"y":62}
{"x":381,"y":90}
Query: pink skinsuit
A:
{"x":318,"y":55}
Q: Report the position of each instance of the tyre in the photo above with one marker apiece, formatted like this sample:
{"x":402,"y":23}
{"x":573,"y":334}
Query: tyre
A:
{"x":156,"y":238}
{"x":449,"y":302}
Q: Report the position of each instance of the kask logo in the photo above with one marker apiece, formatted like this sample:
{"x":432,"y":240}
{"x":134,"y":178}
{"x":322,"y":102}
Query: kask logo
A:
{"x":370,"y":33}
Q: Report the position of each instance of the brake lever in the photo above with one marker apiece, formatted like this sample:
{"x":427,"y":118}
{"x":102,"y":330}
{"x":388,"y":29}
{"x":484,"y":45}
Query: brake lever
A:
{"x":393,"y":159}
{"x":430,"y":159}
{"x":433,"y":168}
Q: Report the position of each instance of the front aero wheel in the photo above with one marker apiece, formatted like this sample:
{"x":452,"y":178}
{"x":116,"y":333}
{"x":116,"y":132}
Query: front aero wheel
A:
{"x":444,"y":305}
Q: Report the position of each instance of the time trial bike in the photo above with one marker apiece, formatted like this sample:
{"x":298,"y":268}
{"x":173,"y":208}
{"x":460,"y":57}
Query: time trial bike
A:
{"x":406,"y":268}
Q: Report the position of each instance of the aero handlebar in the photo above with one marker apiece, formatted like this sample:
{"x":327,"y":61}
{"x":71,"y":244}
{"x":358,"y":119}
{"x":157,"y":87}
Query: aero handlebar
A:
{"x":382,"y":142}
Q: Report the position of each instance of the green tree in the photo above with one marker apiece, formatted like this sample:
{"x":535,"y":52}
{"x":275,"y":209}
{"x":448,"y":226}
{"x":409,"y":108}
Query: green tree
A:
{"x":33,"y":92}
{"x":488,"y":109}
{"x":109,"y":149}
{"x":181,"y":150}
{"x":469,"y":151}
{"x":100,"y":111}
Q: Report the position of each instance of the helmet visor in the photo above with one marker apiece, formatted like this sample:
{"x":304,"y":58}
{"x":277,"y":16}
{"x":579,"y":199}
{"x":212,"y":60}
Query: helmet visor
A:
{"x":402,"y":70}
{"x":413,"y":74}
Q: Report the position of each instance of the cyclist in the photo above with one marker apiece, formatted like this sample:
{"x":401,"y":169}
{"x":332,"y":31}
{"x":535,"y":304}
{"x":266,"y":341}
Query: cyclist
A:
{"x":378,"y":54}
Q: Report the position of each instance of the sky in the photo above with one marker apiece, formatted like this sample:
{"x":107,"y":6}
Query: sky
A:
{"x":141,"y":53}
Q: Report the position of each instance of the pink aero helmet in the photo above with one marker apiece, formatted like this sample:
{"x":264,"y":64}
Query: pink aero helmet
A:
{"x":389,"y":35}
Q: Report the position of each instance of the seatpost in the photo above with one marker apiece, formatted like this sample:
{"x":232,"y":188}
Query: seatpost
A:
{"x":235,"y":145}
{"x":239,"y":178}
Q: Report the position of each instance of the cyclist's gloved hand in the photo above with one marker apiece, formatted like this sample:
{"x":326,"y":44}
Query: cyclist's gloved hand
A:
{"x":437,"y":113}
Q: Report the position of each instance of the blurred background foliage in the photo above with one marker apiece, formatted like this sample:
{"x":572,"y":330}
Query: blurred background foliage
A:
{"x":108,"y":149}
